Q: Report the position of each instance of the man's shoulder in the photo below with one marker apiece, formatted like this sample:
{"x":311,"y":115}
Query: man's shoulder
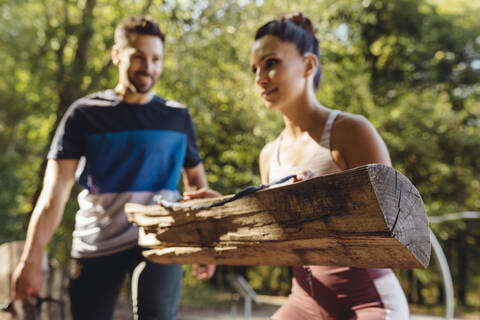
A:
{"x":104,"y":98}
{"x":174,"y":104}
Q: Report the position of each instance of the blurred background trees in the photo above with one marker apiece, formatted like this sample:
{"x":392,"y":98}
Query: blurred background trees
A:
{"x":412,"y":67}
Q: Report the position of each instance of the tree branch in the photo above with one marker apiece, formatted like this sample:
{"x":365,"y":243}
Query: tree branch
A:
{"x":147,"y":6}
{"x":96,"y":79}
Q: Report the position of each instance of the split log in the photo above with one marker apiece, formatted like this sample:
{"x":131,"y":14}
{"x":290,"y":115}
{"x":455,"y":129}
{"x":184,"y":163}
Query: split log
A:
{"x":371,"y":216}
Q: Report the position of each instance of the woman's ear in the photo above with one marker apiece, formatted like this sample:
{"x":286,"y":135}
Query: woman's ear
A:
{"x":311,"y":64}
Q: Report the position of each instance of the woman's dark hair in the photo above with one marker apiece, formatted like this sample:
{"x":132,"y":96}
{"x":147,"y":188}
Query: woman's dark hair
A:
{"x":138,"y":25}
{"x":299,"y":30}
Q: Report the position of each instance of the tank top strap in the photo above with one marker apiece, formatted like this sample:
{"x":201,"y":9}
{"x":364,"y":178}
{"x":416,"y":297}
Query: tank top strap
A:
{"x":325,"y":139}
{"x":276,"y":148}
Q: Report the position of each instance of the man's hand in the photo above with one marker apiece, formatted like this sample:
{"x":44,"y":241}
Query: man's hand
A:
{"x":27,"y":281}
{"x":203,"y":272}
{"x":195,"y":182}
{"x":59,"y":178}
{"x":196,"y":185}
{"x":200,"y":194}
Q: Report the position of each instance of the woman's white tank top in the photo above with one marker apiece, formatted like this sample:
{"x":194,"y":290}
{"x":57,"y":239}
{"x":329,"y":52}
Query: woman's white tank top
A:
{"x":320,"y":162}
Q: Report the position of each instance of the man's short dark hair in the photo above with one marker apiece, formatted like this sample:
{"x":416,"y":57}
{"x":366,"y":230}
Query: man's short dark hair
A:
{"x":136,"y":25}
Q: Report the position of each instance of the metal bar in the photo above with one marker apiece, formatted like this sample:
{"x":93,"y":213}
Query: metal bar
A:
{"x":248,"y":308}
{"x":454,"y":216}
{"x":446,"y":275}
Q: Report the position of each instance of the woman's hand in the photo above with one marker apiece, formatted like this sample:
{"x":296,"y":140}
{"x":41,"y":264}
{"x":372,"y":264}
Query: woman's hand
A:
{"x":304,"y":175}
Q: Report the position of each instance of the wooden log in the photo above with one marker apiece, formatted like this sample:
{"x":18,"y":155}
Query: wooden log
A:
{"x":371,"y":216}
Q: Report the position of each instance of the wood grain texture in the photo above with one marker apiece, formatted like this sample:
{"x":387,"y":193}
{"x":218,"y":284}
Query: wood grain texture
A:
{"x":371,"y":216}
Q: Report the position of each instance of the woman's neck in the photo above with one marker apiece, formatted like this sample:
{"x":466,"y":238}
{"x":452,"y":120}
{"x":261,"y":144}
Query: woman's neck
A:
{"x":303,"y":115}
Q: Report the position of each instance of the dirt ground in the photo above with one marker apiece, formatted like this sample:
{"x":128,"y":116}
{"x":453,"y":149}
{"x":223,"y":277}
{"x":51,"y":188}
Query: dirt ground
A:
{"x":234,"y":310}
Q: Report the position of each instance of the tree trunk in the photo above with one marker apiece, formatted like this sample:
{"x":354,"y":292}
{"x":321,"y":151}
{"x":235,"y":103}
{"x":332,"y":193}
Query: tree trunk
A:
{"x":69,"y":80}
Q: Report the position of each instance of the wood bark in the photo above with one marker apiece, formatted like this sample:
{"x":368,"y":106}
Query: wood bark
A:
{"x":371,"y":216}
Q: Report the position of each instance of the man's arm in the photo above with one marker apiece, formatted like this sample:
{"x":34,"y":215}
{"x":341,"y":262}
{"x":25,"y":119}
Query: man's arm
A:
{"x":57,"y":184}
{"x":194,"y":178}
{"x":196,"y":185}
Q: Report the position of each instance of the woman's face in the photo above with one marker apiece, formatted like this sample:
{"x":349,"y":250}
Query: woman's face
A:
{"x":280,"y":71}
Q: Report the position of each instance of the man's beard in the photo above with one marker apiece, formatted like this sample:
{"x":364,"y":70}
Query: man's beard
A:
{"x":139,"y":86}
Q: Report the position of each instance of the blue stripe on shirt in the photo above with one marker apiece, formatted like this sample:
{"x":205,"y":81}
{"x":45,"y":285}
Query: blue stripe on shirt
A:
{"x":143,"y":160}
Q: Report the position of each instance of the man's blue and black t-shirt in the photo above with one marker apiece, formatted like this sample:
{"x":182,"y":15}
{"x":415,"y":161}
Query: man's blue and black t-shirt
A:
{"x":128,"y":153}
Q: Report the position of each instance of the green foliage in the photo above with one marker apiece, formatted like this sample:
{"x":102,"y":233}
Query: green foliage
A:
{"x":412,"y":67}
{"x":270,"y":280}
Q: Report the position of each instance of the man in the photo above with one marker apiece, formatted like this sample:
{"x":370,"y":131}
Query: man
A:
{"x":126,"y":145}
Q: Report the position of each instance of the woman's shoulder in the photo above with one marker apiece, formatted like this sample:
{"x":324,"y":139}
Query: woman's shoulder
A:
{"x":349,"y":125}
{"x":349,"y":121}
{"x":357,"y":140}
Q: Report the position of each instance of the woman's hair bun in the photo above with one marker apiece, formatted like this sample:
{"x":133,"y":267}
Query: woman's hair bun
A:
{"x":300,"y":20}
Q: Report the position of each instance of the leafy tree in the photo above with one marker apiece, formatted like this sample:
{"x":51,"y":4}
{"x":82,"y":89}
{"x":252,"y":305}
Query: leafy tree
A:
{"x":412,"y":67}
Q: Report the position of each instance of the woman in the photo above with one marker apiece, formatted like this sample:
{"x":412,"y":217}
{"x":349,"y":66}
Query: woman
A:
{"x":318,"y":140}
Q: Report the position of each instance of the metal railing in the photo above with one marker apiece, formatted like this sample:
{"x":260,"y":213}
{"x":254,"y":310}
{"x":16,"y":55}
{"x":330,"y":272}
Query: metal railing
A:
{"x":241,"y":286}
{"x":442,"y":260}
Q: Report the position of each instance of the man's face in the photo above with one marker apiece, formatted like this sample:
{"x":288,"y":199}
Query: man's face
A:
{"x":140,"y":63}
